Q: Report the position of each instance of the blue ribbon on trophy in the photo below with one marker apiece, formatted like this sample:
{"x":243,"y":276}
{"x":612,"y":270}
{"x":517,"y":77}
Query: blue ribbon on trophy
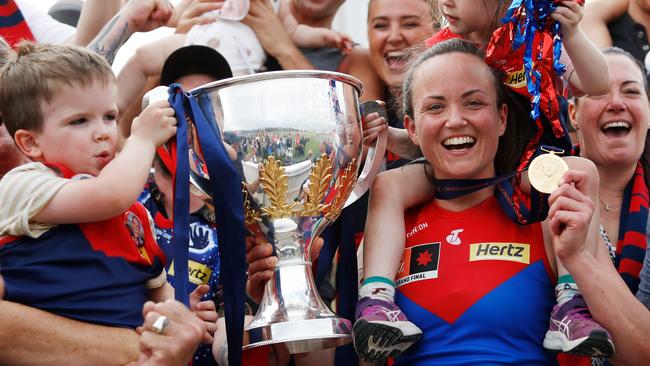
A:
{"x":227,"y":197}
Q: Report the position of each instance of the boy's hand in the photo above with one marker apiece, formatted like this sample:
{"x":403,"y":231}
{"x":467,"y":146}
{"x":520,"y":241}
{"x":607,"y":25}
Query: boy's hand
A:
{"x":339,"y":40}
{"x":568,"y":13}
{"x":204,"y":310}
{"x":155,"y":124}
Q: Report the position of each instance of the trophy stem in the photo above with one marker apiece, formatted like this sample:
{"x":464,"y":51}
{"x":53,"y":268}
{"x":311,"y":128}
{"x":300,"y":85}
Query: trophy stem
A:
{"x":291,"y":310}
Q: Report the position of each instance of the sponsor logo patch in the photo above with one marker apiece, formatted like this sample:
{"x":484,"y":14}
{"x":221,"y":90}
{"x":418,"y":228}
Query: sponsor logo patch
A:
{"x":453,"y":238}
{"x":419,"y":263}
{"x":513,"y":252}
{"x":516,"y":79}
{"x":199,"y":273}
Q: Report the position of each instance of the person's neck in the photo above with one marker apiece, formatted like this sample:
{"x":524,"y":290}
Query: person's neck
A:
{"x":467,"y":201}
{"x":613,"y":180}
{"x":639,"y":15}
{"x":325,"y":22}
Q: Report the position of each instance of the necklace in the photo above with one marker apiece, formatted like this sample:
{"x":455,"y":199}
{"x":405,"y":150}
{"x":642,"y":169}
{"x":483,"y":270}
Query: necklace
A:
{"x":606,"y":206}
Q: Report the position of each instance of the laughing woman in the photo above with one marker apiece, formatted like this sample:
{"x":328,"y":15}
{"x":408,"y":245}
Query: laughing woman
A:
{"x":612,"y":131}
{"x":465,"y":293}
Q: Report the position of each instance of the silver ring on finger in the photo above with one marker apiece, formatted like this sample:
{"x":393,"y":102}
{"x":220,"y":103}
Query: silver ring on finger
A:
{"x":160,"y":324}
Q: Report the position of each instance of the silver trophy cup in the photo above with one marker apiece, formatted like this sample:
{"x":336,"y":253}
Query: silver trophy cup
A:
{"x":296,"y":139}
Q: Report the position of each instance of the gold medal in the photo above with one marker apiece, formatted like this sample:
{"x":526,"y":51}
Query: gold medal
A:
{"x":545,"y":172}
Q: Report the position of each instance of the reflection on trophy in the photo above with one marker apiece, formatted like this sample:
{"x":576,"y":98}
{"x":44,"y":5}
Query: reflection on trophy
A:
{"x":296,"y":139}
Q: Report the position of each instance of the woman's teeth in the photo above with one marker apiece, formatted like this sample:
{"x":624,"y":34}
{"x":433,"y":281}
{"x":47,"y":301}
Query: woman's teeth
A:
{"x":458,"y":143}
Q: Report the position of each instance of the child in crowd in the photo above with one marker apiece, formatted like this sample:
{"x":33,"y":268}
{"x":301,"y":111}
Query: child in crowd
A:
{"x":73,"y":240}
{"x":239,"y":44}
{"x":379,"y":320}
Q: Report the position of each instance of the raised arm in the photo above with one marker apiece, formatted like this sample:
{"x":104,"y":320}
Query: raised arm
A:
{"x":571,"y":219}
{"x":587,"y":68}
{"x":135,"y":16}
{"x":597,"y":14}
{"x":120,"y":182}
{"x":29,"y":336}
{"x":312,"y":37}
{"x":147,"y":62}
{"x":94,"y":15}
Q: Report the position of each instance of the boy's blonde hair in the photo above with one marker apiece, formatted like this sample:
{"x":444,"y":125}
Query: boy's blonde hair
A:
{"x":37,"y":72}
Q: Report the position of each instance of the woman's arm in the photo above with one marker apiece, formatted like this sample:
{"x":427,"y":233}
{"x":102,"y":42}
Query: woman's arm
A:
{"x":587,"y":68}
{"x":571,"y":219}
{"x":94,"y":15}
{"x":597,"y":13}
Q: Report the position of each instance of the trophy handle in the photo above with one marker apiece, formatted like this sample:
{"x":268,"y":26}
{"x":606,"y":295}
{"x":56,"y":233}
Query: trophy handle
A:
{"x":374,"y":160}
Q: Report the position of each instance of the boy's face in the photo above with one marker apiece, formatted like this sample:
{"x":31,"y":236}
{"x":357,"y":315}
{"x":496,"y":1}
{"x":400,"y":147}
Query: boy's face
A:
{"x":79,"y":128}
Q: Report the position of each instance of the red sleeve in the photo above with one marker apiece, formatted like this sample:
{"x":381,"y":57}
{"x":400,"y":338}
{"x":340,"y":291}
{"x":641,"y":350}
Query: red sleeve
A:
{"x":442,"y":35}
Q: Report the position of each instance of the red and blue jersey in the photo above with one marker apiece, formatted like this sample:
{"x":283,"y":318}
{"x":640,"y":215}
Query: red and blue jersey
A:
{"x":203,"y":256}
{"x":95,"y":272}
{"x":478,"y":285}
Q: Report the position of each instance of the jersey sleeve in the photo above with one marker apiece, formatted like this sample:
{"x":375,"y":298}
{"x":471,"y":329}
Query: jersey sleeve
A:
{"x":24,"y":191}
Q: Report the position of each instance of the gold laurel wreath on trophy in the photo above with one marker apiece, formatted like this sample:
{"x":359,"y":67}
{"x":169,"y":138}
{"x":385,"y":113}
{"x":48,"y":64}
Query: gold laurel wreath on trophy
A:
{"x":275,"y":185}
{"x":319,"y":179}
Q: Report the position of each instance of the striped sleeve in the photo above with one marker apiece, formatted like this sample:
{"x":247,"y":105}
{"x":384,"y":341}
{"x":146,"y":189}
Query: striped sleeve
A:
{"x":24,"y":191}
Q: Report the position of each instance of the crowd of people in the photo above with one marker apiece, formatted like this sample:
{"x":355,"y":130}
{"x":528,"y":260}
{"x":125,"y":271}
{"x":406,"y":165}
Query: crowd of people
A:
{"x":501,"y":273}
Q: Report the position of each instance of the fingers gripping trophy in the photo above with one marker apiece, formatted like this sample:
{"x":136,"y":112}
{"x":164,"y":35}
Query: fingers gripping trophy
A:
{"x":296,"y":139}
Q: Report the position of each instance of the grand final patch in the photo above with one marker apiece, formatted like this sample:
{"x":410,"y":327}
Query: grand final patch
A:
{"x":419,"y":263}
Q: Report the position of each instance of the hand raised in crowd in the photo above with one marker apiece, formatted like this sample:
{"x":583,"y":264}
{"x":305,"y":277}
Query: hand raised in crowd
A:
{"x":568,"y":14}
{"x":171,"y":342}
{"x":267,"y":27}
{"x":147,"y":15}
{"x":196,"y":13}
{"x":204,"y":310}
{"x":155,"y":124}
{"x":570,"y":213}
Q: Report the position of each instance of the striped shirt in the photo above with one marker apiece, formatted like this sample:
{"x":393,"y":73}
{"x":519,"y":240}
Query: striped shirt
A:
{"x":24,"y":192}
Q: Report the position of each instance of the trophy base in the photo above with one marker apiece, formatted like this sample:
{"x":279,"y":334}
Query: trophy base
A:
{"x":300,"y":336}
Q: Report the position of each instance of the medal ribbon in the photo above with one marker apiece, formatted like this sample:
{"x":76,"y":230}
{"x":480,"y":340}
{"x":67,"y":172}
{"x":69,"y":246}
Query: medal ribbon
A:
{"x":227,"y":196}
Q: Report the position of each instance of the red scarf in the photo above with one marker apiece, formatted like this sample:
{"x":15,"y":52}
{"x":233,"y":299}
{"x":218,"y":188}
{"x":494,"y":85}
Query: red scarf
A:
{"x":631,"y":246}
{"x":13,"y":27}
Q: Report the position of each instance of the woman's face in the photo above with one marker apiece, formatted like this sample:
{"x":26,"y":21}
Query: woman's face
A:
{"x":393,"y":26}
{"x":612,"y":127}
{"x":457,"y":122}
